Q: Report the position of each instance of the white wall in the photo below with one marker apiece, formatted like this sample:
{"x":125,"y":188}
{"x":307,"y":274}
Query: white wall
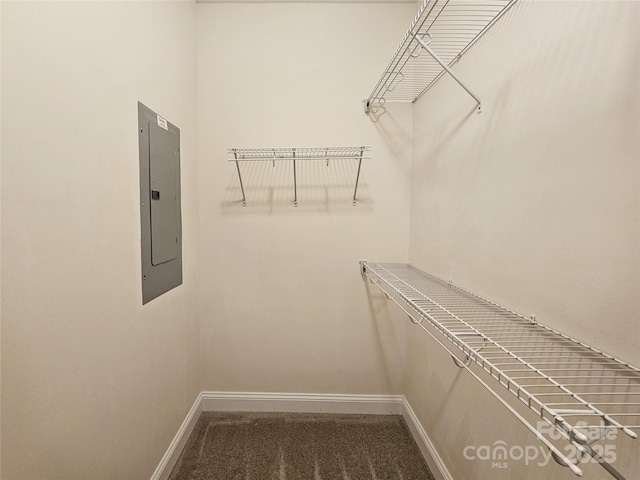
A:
{"x":537,"y":195}
{"x":283,"y":305}
{"x":0,"y":242}
{"x":94,"y":384}
{"x":533,"y":204}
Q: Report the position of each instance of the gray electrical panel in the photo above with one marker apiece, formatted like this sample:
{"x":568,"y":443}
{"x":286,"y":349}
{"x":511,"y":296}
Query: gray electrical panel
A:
{"x":160,"y":217}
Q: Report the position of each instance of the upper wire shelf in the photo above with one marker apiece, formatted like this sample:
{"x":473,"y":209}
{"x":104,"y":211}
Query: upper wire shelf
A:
{"x":298,"y":153}
{"x":581,"y":393}
{"x":442,"y":31}
{"x":294,"y":154}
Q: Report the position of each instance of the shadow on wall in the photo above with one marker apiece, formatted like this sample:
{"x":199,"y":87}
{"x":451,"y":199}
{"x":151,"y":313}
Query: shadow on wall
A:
{"x":390,"y":341}
{"x":392,"y":124}
{"x":320,"y":186}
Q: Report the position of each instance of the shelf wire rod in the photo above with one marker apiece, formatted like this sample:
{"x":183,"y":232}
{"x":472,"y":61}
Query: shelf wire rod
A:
{"x":519,"y":331}
{"x":513,"y":333}
{"x":590,"y":374}
{"x":587,"y":385}
{"x":507,"y":371}
{"x":567,"y":352}
{"x":580,"y":377}
{"x":545,"y":391}
{"x":271,"y":158}
{"x":580,"y":363}
{"x":557,"y":351}
{"x":578,"y":413}
{"x":566,"y":349}
{"x":592,"y":394}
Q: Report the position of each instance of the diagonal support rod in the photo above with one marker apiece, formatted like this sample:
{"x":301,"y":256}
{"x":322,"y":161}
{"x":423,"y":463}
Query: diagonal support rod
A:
{"x":357,"y":177}
{"x":425,"y":45}
{"x":244,"y":199}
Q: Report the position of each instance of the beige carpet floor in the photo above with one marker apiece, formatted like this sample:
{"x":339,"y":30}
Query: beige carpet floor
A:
{"x":286,"y":446}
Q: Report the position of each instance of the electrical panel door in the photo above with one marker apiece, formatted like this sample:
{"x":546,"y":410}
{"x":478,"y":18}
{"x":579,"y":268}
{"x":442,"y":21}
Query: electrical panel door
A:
{"x":163,"y":177}
{"x":160,"y":217}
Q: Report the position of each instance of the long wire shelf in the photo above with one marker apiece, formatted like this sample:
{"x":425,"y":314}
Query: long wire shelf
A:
{"x":441,"y":32}
{"x":581,"y":393}
{"x":296,"y":154}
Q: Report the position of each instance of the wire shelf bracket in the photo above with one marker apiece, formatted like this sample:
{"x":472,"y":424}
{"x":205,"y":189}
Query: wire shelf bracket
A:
{"x":295,"y":154}
{"x":580,"y":393}
{"x":450,"y":27}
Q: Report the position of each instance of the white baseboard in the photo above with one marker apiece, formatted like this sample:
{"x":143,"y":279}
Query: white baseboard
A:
{"x":300,"y":403}
{"x":429,"y":452}
{"x":168,"y":461}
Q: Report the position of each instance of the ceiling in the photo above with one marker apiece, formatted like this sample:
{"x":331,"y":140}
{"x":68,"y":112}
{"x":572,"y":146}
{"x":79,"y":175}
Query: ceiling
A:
{"x":307,"y":1}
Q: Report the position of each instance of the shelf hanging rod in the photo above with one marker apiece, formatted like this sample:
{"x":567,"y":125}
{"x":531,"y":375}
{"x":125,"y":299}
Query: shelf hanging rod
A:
{"x":425,"y":46}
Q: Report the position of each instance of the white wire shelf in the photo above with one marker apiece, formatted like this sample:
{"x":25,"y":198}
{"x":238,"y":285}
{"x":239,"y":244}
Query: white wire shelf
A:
{"x":442,"y":31}
{"x":295,"y":154}
{"x":579,"y":391}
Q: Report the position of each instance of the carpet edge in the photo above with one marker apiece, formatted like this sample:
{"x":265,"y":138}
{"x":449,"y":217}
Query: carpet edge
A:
{"x":209,"y":401}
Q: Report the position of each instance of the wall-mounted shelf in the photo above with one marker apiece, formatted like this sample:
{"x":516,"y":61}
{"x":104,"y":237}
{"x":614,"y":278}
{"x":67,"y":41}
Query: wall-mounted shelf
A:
{"x":582,"y":394}
{"x":442,"y":31}
{"x":295,"y":155}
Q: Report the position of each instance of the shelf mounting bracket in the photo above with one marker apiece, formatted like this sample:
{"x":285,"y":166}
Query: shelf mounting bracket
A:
{"x":357,"y":176}
{"x":295,"y":181}
{"x":244,"y":198}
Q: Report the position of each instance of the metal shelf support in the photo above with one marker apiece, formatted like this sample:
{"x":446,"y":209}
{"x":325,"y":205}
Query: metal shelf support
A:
{"x":355,"y":191}
{"x":425,"y":45}
{"x":295,"y":183}
{"x":244,"y":198}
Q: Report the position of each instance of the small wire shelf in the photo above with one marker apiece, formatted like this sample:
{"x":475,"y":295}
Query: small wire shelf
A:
{"x":304,"y":153}
{"x":295,"y":154}
{"x":579,"y":391}
{"x":441,"y":32}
